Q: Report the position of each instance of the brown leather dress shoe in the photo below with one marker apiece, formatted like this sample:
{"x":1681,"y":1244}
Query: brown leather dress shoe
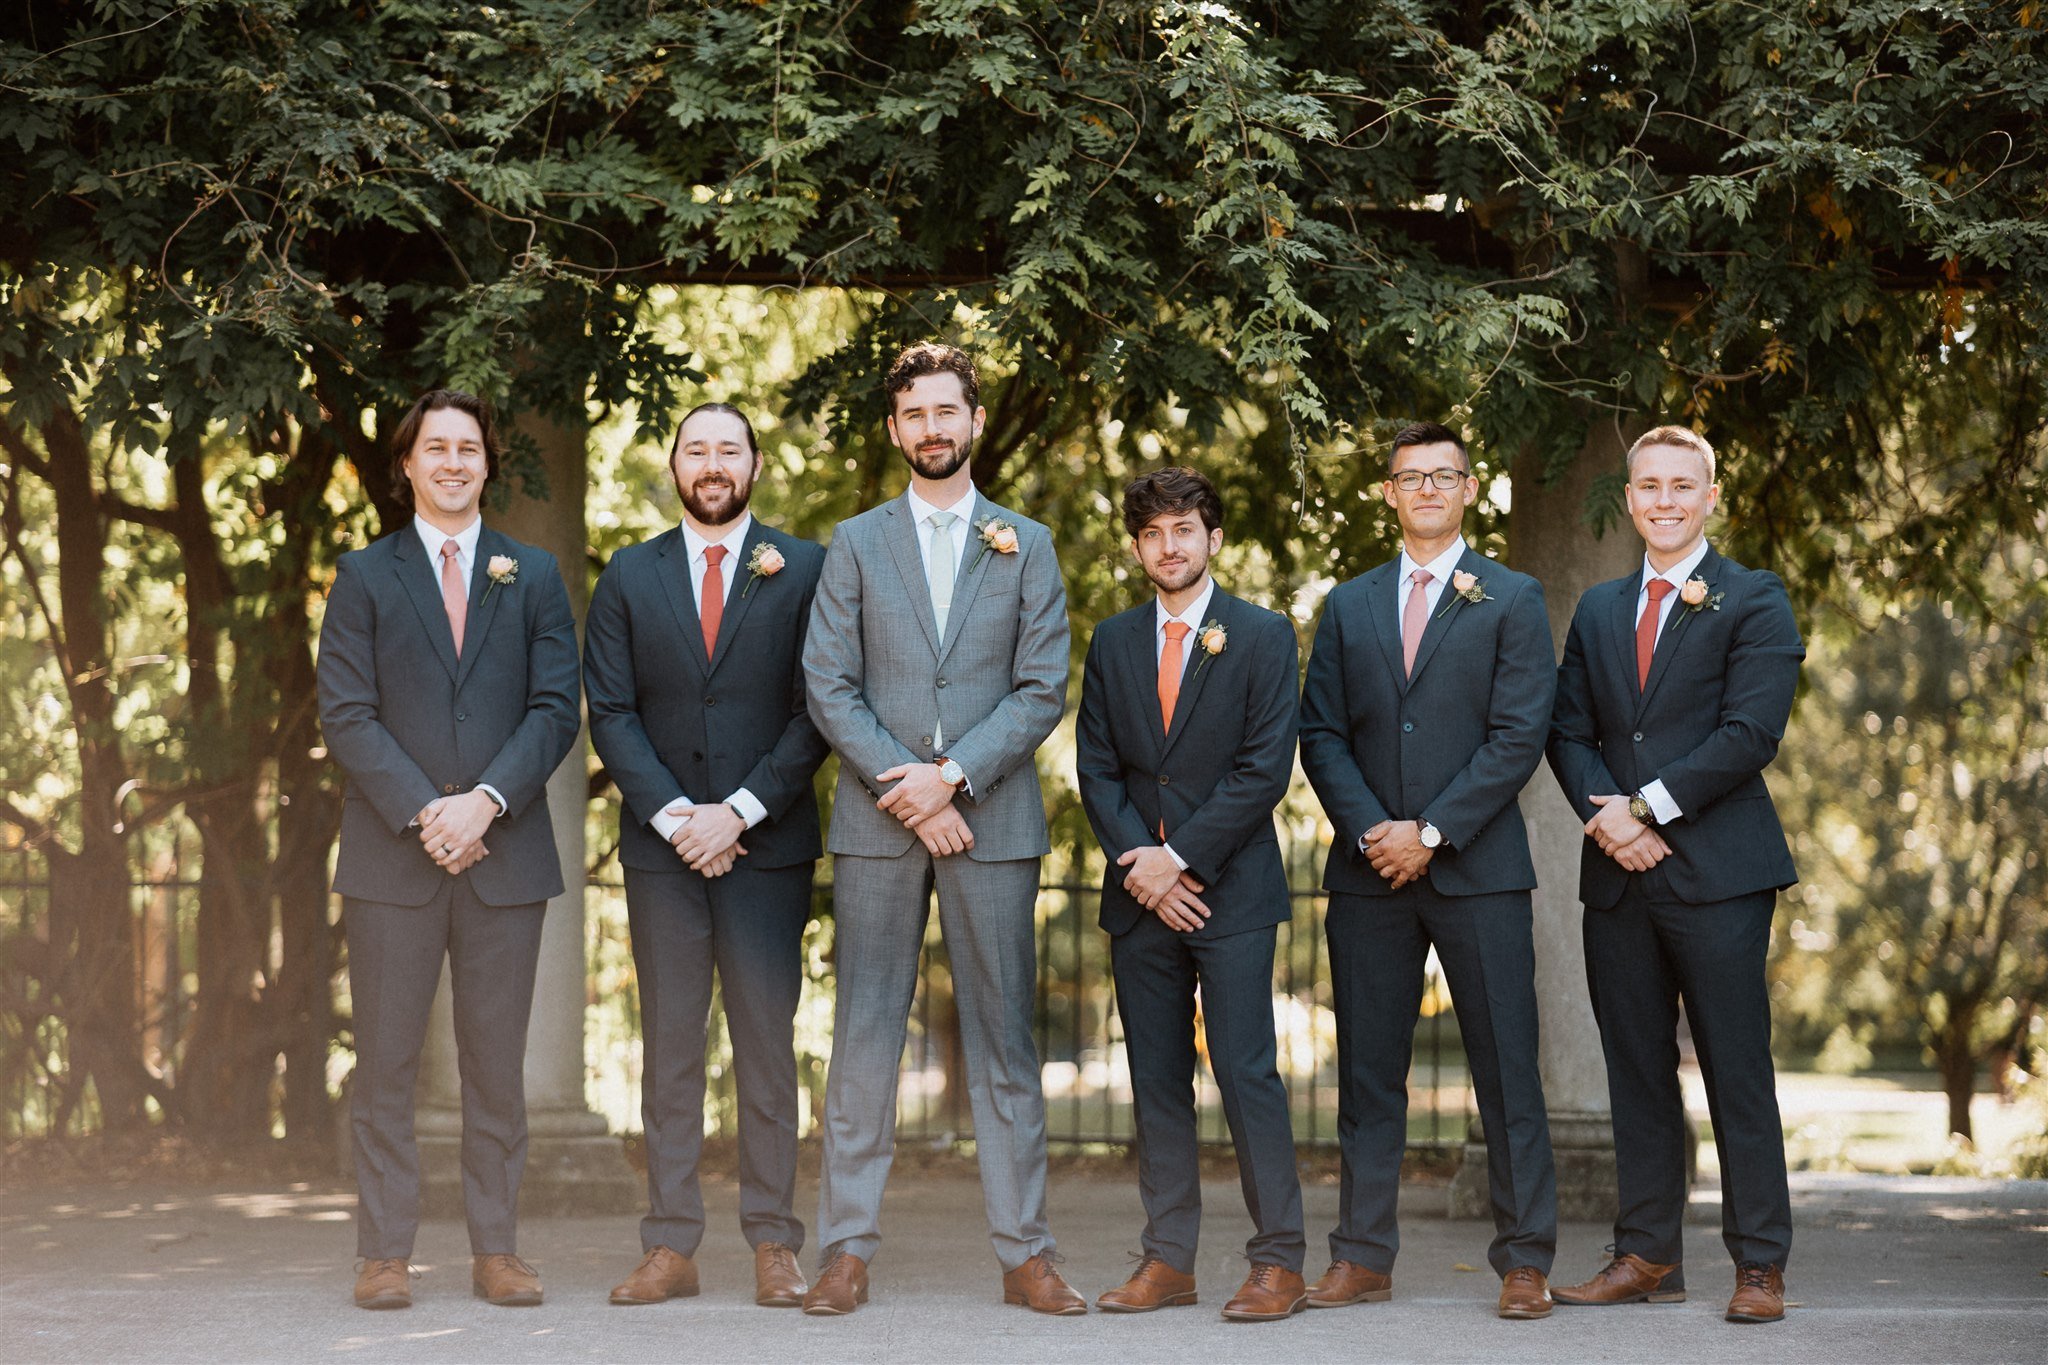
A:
{"x":505,"y":1280}
{"x":1268,"y":1293}
{"x":385,"y":1282}
{"x":1037,"y":1285}
{"x":1759,"y":1294}
{"x":662,"y":1274}
{"x":1347,"y":1282}
{"x":777,"y":1281}
{"x":1524,"y":1293}
{"x":1154,"y":1284}
{"x":1626,"y":1279}
{"x":842,"y":1286}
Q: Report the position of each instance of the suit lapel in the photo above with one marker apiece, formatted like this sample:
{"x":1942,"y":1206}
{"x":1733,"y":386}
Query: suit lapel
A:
{"x":973,"y":571}
{"x":902,"y":536}
{"x":417,"y":575}
{"x":1198,"y":667}
{"x":1141,"y":664}
{"x":1621,"y":618}
{"x":1678,"y":628}
{"x":674,"y":573}
{"x":1449,"y":607}
{"x":483,"y":602}
{"x":738,"y":596}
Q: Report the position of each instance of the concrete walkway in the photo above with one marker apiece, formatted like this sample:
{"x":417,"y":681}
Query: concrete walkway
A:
{"x":1884,"y":1269}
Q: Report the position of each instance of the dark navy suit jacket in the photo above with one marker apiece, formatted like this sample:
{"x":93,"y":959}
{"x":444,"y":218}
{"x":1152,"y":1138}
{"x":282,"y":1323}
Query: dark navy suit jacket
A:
{"x":666,"y":720}
{"x":409,"y":722}
{"x":1720,"y":690}
{"x":1453,"y":745}
{"x":1214,"y":777}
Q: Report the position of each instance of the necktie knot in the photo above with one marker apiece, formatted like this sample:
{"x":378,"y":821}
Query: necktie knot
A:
{"x":1176,"y":631}
{"x":714,"y":555}
{"x":449,"y":549}
{"x":942,"y":521}
{"x":1658,"y":587}
{"x":1421,"y":578}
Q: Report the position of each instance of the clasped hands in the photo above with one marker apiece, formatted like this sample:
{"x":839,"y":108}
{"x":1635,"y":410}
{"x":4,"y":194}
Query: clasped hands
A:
{"x":1396,"y":852}
{"x":709,"y":837}
{"x":1162,"y":886}
{"x":923,"y":801}
{"x":452,"y":829}
{"x":1635,"y":845}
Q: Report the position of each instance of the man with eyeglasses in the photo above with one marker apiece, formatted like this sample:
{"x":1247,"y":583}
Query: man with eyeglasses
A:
{"x":1424,"y":714}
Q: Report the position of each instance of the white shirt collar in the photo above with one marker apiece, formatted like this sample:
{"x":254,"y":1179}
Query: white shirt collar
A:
{"x":433,"y":537}
{"x":734,"y":538}
{"x":1439,"y":569}
{"x":1193,"y":617}
{"x":1678,"y":573}
{"x":921,"y":511}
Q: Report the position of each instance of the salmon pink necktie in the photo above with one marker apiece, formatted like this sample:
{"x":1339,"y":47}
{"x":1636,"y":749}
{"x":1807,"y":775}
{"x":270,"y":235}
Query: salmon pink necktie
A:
{"x":1414,"y":620}
{"x":453,"y":595}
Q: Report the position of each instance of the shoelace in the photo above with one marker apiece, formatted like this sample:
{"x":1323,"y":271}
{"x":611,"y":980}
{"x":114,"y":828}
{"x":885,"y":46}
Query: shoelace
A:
{"x":372,"y":1263}
{"x":507,"y":1261}
{"x":1750,"y":1275}
{"x":1262,"y":1272}
{"x":832,"y":1263}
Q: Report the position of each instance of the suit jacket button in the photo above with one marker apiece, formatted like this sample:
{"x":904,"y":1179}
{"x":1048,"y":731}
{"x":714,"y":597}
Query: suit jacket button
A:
{"x":1639,"y":736}
{"x":1407,"y":726}
{"x":696,"y":758}
{"x":925,"y":740}
{"x":448,"y":789}
{"x":462,"y":715}
{"x":942,"y":682}
{"x":1164,"y":779}
{"x":711,"y":701}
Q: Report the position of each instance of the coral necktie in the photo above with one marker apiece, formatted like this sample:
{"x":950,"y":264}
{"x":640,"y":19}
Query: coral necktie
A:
{"x":711,"y":611}
{"x":1646,"y":632}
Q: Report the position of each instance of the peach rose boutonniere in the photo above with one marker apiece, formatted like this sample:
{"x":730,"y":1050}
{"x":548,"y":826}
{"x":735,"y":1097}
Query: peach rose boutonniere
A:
{"x":1696,"y":596}
{"x":1214,"y":640}
{"x":503,"y":570}
{"x":1467,"y":588}
{"x":997,"y":535}
{"x":765,"y":562}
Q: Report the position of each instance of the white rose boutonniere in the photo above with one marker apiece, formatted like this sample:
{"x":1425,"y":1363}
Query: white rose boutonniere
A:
{"x":1467,"y":588}
{"x":1695,"y":594}
{"x":765,"y":562}
{"x":502,"y":570}
{"x":1214,"y":640}
{"x":997,"y":535}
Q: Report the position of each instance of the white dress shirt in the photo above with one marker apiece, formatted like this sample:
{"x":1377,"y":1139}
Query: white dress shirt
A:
{"x":744,"y":803}
{"x":1190,"y":645}
{"x":433,"y":537}
{"x":1661,"y":804}
{"x":1439,"y":570}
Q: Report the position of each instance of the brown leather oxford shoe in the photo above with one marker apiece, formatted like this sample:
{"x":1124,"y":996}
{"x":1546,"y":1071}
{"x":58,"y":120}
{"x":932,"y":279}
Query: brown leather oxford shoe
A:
{"x":1038,"y":1285}
{"x":842,"y":1286}
{"x":1268,"y":1293}
{"x":662,"y":1274}
{"x":385,"y":1282}
{"x":777,"y":1281}
{"x":1759,"y":1294}
{"x":1627,"y":1279}
{"x":505,"y":1280}
{"x":1154,"y":1284}
{"x":1347,"y":1282}
{"x":1524,"y":1293}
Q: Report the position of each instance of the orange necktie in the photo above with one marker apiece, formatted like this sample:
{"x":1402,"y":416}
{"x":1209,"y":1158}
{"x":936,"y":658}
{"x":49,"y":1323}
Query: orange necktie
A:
{"x":1171,"y":659}
{"x":1646,"y":632}
{"x":712,"y":609}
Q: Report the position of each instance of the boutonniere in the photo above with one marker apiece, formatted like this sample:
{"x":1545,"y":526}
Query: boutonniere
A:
{"x":1468,"y":589}
{"x":1696,"y":597}
{"x":503,"y":569}
{"x":765,"y":562}
{"x":1214,"y":640}
{"x":997,"y":535}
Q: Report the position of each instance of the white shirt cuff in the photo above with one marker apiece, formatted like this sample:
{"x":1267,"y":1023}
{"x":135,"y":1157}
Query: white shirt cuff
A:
{"x":1661,"y":804}
{"x":488,"y":790}
{"x":665,"y":824}
{"x":749,"y":806}
{"x":1180,"y":861}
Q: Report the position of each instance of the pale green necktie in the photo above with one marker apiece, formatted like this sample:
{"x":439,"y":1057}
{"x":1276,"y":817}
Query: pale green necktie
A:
{"x":938,"y":572}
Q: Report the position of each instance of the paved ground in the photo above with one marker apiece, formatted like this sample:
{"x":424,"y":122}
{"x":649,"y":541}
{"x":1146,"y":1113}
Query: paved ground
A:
{"x":1885,"y":1269}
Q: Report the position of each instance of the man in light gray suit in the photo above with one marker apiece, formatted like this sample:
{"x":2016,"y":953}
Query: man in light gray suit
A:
{"x":936,"y":663}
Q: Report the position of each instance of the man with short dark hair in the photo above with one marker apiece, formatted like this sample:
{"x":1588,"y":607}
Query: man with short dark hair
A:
{"x":937,"y":664}
{"x":1185,"y":744}
{"x":448,"y":695}
{"x":1675,"y":689}
{"x":1423,"y":715}
{"x":693,"y":659}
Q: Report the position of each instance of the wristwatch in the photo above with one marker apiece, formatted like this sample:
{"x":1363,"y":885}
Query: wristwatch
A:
{"x":951,"y":773}
{"x":1432,"y":837}
{"x":1639,"y":807}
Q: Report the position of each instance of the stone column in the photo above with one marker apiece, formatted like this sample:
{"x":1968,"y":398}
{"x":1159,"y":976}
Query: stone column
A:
{"x":572,"y":1164}
{"x":1548,"y":536}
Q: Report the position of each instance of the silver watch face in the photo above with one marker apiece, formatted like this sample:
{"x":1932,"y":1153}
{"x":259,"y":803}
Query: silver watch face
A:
{"x":951,"y":772}
{"x":1431,"y":836}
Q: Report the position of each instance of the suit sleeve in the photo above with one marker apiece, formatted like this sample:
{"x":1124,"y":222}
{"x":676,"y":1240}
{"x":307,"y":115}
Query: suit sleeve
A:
{"x":1008,"y":736}
{"x":554,"y":696}
{"x":376,"y":766}
{"x":835,"y":670}
{"x":1348,"y":799}
{"x":784,"y":773}
{"x":1244,"y":801}
{"x":1118,"y":826}
{"x":1762,"y":679}
{"x":1517,"y":724}
{"x":616,"y":730}
{"x":1574,"y":733}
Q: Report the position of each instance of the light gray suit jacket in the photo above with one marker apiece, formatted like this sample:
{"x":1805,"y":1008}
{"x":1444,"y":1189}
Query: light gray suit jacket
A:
{"x":879,"y":676}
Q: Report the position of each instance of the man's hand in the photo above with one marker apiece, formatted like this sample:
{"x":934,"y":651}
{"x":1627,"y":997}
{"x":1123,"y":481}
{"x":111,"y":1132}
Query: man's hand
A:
{"x":1180,"y":908}
{"x":713,"y":828}
{"x":1394,"y":848}
{"x":945,"y":833}
{"x":919,"y":793}
{"x":1153,"y":873}
{"x":1644,"y":853}
{"x":477,"y":853}
{"x":451,"y":825}
{"x":720,"y":864}
{"x":1612,"y":827}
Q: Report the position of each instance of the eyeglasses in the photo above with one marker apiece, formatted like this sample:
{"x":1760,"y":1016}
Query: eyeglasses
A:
{"x":1408,"y":480}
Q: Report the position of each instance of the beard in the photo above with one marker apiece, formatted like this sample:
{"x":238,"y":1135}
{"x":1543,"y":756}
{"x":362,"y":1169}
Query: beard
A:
{"x":716,"y":501}
{"x":939,"y":462}
{"x":1184,"y":575}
